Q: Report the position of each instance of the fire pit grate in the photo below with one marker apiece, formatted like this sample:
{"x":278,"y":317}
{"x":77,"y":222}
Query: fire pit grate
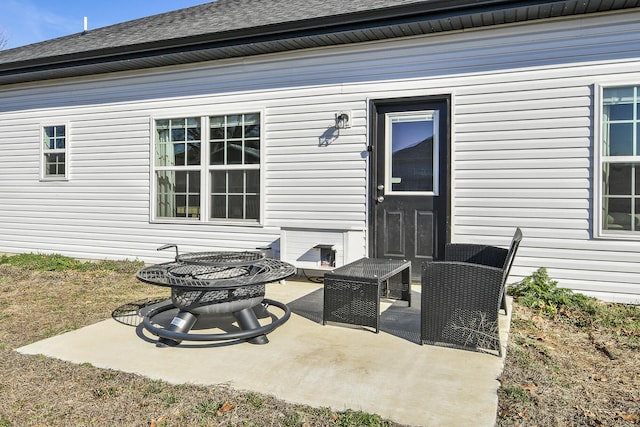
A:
{"x":214,"y":283}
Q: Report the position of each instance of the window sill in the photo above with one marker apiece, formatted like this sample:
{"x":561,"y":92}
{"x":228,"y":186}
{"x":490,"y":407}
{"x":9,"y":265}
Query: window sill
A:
{"x":55,"y":179}
{"x":191,"y":221}
{"x":618,"y":235}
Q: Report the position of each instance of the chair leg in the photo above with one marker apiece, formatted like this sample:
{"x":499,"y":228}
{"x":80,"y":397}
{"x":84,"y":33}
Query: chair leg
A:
{"x":503,"y":304}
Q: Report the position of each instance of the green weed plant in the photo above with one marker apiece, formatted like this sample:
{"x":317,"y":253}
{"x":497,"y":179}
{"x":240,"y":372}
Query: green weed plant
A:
{"x":540,"y":292}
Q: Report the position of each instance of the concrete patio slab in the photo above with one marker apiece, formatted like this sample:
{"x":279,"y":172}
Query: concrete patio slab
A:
{"x":335,"y":366}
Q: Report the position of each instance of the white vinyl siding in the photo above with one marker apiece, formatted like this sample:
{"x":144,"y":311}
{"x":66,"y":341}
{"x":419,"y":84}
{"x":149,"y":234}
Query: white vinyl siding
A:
{"x":522,"y":146}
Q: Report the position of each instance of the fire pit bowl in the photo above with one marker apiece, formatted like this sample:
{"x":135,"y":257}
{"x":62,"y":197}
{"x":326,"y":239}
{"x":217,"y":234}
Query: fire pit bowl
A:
{"x":209,"y":283}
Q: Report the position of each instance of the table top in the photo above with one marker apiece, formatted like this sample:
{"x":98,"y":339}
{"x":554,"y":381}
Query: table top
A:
{"x":216,"y":270}
{"x":371,"y":268}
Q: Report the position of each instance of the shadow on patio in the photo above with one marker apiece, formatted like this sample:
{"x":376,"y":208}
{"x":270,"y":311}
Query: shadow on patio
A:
{"x":396,"y":318}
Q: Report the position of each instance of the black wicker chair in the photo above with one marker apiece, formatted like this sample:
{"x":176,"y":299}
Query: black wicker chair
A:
{"x":463,"y":294}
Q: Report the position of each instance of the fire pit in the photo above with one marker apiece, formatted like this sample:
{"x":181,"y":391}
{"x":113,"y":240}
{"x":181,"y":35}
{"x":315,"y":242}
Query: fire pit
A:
{"x":209,"y":283}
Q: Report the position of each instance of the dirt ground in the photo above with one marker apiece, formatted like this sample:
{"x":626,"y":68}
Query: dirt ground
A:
{"x":556,"y":374}
{"x":560,"y":374}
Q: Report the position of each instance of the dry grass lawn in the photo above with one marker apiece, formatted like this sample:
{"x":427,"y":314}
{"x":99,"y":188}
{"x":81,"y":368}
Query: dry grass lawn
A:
{"x":559,"y":371}
{"x":40,"y":391}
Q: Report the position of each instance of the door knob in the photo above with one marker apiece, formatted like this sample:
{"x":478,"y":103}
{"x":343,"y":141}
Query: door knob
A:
{"x":380,"y":187}
{"x":380,"y":199}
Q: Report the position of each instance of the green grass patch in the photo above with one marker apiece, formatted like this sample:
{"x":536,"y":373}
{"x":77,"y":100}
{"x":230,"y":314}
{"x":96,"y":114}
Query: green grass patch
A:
{"x":207,"y":409}
{"x":52,"y":331}
{"x":255,"y":400}
{"x":104,"y":392}
{"x":155,"y":387}
{"x":540,"y":292}
{"x":56,"y":262}
{"x":358,"y":419}
{"x":516,"y":393}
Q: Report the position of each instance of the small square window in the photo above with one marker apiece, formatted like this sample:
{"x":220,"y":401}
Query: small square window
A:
{"x":54,"y":152}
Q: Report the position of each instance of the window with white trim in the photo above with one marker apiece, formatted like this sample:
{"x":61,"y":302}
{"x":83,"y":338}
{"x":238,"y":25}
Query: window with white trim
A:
{"x":208,"y":168}
{"x":54,"y":152}
{"x":620,"y":159}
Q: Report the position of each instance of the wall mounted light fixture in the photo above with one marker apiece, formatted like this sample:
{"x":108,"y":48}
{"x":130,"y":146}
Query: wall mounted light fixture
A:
{"x":343,"y":120}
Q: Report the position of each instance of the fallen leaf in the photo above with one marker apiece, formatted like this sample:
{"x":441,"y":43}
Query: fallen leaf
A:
{"x":628,"y":417}
{"x":587,"y":412}
{"x":541,"y":337}
{"x":226,"y":407}
{"x":530,"y":388}
{"x":522,"y":414}
{"x":598,"y":377}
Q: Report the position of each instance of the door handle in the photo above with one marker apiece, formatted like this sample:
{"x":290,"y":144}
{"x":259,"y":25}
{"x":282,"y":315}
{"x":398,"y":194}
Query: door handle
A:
{"x":380,"y":199}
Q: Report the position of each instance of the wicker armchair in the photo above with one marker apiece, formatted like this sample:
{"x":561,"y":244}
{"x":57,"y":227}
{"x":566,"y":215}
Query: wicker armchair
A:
{"x":462,"y":296}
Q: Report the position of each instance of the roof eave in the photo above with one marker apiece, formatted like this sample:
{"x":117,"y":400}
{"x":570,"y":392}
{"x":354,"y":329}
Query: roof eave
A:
{"x":260,"y":40}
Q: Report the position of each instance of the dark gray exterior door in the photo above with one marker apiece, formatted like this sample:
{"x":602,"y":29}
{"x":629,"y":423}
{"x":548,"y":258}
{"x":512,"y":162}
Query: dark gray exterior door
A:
{"x":410,"y":179}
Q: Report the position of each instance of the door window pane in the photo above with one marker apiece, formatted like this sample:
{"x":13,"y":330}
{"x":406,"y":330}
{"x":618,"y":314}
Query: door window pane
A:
{"x":411,"y":141}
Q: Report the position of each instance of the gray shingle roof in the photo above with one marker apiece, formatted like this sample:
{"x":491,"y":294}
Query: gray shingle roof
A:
{"x":234,"y":28}
{"x":212,"y":19}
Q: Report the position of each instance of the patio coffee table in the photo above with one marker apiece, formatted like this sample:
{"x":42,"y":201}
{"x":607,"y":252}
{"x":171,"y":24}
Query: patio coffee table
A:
{"x":352,"y":292}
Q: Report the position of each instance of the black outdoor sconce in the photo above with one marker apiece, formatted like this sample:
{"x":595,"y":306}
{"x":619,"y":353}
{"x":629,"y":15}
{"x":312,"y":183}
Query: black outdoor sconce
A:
{"x":343,"y":120}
